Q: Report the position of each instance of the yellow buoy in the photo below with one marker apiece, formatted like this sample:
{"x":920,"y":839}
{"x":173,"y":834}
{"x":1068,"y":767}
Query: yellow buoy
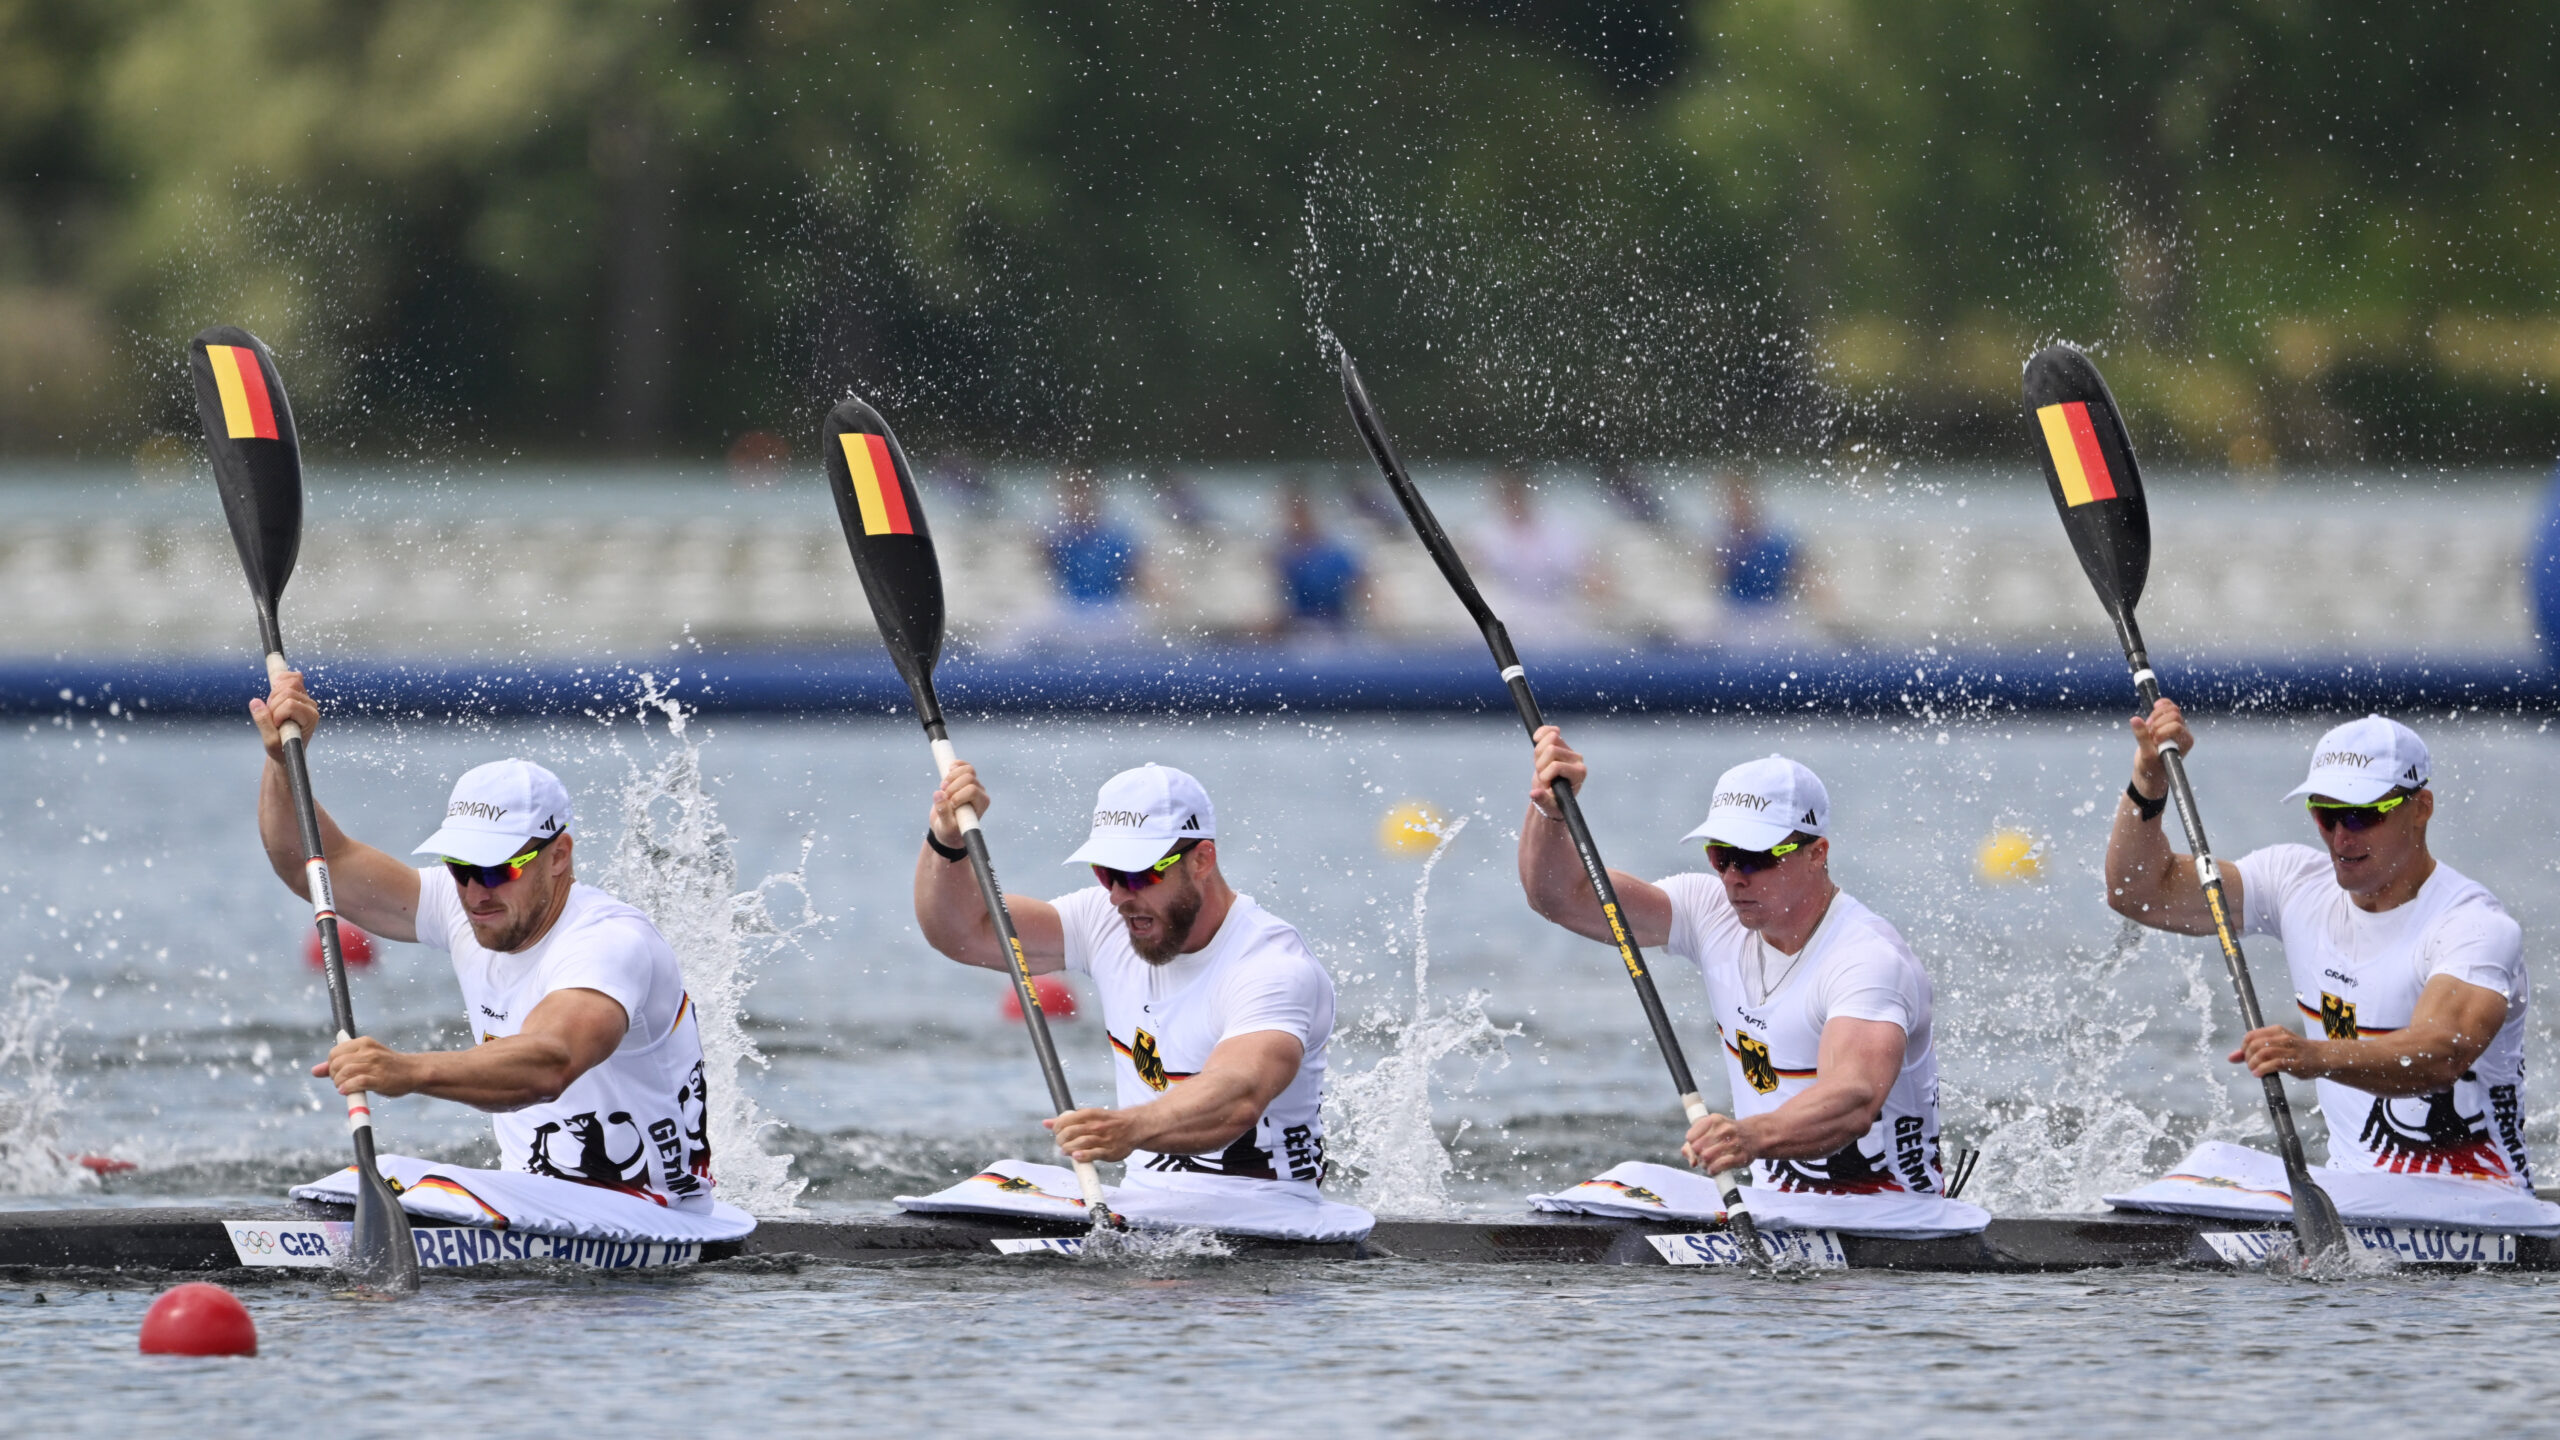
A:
{"x":1410,"y":828}
{"x":2010,"y":855}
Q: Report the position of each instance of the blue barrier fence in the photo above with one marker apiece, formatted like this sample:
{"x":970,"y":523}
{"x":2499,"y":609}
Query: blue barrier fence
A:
{"x":1926,"y":686}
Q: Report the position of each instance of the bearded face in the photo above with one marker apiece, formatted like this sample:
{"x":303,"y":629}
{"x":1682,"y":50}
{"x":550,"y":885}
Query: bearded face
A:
{"x":1159,"y":918}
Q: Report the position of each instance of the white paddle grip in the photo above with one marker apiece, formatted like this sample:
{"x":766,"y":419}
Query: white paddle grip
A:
{"x":360,"y":1104}
{"x":1731,"y":1182}
{"x":944,"y":757}
{"x":324,"y":897}
{"x":275,"y":671}
{"x":1091,"y":1180}
{"x":1696,"y":1107}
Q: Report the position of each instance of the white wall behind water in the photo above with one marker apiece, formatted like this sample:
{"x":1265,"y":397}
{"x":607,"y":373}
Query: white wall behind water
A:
{"x":544,"y":562}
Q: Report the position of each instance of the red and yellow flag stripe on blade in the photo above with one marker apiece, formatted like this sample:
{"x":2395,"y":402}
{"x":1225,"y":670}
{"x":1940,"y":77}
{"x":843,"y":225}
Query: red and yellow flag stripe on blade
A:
{"x":2077,"y":459}
{"x":875,"y":485}
{"x":248,"y":411}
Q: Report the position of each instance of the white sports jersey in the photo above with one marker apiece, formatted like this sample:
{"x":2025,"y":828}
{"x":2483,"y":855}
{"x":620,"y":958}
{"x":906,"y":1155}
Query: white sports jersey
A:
{"x":2359,"y":973}
{"x":1255,"y":974}
{"x":639,"y":1121}
{"x":1855,"y":966}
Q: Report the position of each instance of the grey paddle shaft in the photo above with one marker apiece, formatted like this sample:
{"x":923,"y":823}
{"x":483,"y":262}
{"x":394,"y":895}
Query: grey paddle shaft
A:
{"x":1426,"y":526}
{"x":2315,"y":1215}
{"x":1018,"y":965}
{"x":381,"y":1252}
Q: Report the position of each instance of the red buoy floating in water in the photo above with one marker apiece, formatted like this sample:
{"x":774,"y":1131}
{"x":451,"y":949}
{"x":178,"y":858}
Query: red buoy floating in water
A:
{"x":199,"y":1319}
{"x":354,"y":946}
{"x":1056,"y":1000}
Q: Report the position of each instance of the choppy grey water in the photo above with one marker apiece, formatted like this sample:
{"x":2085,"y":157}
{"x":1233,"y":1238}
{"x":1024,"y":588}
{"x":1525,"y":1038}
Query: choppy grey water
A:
{"x":162,"y":1014}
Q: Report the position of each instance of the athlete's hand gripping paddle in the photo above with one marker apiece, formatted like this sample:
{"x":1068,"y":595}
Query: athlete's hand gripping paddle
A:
{"x":2089,"y":464}
{"x":893,"y":552}
{"x":1729,"y":1183}
{"x":257,"y":463}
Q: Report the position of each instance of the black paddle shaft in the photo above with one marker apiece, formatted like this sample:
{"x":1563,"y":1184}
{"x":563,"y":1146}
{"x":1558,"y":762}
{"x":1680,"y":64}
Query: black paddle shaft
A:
{"x":983,"y":867}
{"x":1364,"y":412}
{"x":1498,"y":640}
{"x":2096,"y":484}
{"x":2226,"y":927}
{"x":257,"y":467}
{"x":892,"y":547}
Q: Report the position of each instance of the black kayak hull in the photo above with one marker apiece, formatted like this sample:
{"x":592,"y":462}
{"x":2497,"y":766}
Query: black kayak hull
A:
{"x":198,"y":1240}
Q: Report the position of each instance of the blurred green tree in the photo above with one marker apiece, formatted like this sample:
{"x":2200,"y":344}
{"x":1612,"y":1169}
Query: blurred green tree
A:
{"x":1548,"y":227}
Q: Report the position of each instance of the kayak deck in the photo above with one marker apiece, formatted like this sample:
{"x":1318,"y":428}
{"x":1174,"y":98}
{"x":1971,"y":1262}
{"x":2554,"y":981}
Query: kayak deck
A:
{"x":180,"y":1239}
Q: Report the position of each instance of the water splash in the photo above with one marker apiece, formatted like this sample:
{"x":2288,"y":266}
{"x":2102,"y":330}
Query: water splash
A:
{"x":1106,"y":1246}
{"x":32,"y":1094}
{"x":674,"y":862}
{"x":2060,"y":1138}
{"x":1378,"y":1125}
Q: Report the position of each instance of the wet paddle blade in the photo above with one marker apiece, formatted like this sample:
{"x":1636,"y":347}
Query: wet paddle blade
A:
{"x":892,"y":547}
{"x":2089,"y":466}
{"x":257,"y":458}
{"x":2318,"y":1233}
{"x":381,"y":1253}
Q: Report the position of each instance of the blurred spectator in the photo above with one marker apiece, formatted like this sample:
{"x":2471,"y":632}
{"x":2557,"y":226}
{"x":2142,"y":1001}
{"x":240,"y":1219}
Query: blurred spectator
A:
{"x":1093,"y":560}
{"x":1760,"y":572}
{"x":1630,"y":495}
{"x":757,"y":458}
{"x":1321,"y":582}
{"x":1180,"y":502}
{"x":1540,"y":566}
{"x":958,"y":479}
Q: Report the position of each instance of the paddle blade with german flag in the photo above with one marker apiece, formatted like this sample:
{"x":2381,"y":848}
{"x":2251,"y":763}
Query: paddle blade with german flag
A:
{"x":257,"y":460}
{"x":892,"y":547}
{"x":2088,"y":463}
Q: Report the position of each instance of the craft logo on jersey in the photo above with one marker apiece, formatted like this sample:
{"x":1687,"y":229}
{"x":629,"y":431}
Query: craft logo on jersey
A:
{"x":876,"y":491}
{"x":2072,"y":441}
{"x":1756,"y":1064}
{"x":2337,"y":1017}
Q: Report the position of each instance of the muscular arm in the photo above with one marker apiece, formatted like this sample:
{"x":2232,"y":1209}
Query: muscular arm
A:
{"x":1551,"y":872}
{"x":951,"y":912}
{"x":568,"y":1034}
{"x":1198,"y":1116}
{"x":375,"y":890}
{"x":2453,"y":1022}
{"x":2147,"y":881}
{"x":1859,"y":1061}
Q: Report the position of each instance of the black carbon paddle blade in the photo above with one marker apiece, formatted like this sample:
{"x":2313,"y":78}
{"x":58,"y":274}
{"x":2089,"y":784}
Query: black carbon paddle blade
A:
{"x":257,"y":458}
{"x":2089,"y":466}
{"x":2319,"y":1235}
{"x":892,"y":547}
{"x":382,"y":1253}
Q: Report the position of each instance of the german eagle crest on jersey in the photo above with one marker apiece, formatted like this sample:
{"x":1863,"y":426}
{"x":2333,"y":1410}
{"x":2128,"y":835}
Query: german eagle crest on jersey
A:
{"x":1142,"y":1054}
{"x":2337,"y":1017}
{"x":1756,"y":1064}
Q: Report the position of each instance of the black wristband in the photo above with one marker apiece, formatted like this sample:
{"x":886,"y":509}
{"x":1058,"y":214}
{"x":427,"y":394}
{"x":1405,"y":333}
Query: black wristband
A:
{"x":2148,"y":808}
{"x":953,"y":853}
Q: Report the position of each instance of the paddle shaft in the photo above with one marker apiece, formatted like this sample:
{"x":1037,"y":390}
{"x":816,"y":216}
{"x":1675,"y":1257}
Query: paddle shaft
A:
{"x":1426,"y":525}
{"x":2209,"y":875}
{"x":1034,"y":1019}
{"x":324,"y":899}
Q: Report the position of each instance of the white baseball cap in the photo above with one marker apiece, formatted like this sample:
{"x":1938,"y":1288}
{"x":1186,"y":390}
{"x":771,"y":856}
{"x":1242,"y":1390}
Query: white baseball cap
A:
{"x":2363,"y":760}
{"x":1143,"y":813}
{"x":496,"y":810}
{"x":1759,"y":803}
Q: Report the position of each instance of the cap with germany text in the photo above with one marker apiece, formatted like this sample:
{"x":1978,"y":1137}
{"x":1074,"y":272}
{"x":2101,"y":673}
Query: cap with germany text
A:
{"x":1760,"y":803}
{"x":1143,"y":813}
